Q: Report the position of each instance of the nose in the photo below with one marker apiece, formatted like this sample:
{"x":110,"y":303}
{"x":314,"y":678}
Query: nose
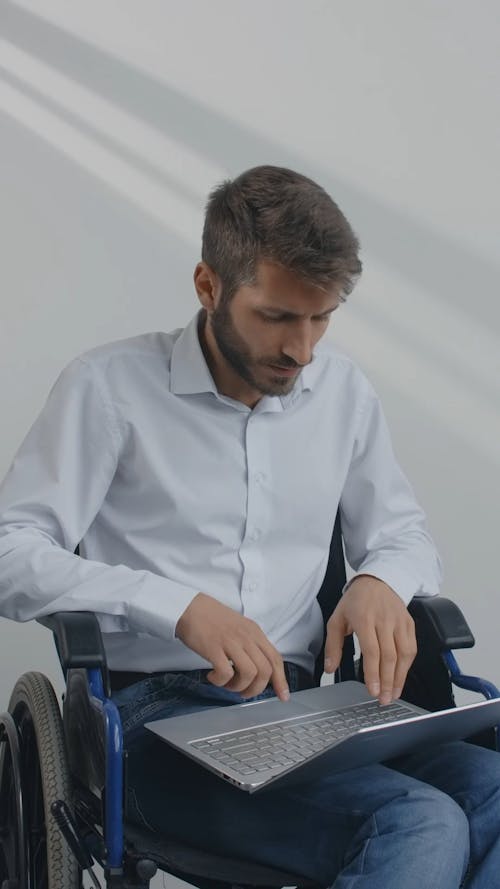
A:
{"x":299,"y":344}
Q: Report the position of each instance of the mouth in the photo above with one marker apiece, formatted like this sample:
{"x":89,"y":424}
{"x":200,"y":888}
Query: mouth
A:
{"x":284,"y":371}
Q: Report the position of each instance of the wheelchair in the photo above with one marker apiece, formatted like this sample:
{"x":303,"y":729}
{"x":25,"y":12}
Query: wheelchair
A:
{"x":63,"y":778}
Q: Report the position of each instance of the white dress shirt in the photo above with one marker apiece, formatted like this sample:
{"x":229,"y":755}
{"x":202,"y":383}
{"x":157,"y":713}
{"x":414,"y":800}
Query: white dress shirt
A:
{"x":171,"y":489}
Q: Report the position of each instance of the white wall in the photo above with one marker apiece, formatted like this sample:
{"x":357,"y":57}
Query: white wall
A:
{"x":116,"y":118}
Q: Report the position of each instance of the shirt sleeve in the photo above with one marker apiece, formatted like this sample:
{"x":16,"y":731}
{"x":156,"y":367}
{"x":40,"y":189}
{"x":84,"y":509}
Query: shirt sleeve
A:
{"x":49,"y":498}
{"x":385,"y":531}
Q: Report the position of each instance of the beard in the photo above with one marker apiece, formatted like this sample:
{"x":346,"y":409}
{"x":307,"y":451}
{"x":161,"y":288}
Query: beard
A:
{"x":237,"y":354}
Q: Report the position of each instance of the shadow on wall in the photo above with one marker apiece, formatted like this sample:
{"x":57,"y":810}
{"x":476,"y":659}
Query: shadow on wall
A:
{"x":458,"y":350}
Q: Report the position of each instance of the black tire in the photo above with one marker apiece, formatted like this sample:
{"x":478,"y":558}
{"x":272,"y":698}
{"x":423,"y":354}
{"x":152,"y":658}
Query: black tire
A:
{"x":12,"y":843}
{"x":45,"y":778}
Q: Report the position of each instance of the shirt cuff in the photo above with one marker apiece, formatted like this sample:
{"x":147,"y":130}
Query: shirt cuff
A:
{"x":403,"y":584}
{"x":158,"y":605}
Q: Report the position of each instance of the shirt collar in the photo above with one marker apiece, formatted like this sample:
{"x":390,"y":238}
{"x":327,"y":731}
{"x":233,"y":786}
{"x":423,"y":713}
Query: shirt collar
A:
{"x":190,"y":375}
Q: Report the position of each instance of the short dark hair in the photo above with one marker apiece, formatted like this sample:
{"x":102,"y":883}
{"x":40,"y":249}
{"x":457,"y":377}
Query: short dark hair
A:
{"x":272,"y":213}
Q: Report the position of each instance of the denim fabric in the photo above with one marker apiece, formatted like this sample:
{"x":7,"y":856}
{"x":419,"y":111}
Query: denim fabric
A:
{"x":426,"y":821}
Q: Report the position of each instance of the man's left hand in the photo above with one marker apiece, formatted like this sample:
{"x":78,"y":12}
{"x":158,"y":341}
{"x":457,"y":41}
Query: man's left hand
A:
{"x":385,"y":631}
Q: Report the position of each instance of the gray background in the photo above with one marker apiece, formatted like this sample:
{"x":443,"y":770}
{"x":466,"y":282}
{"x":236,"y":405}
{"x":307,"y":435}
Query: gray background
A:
{"x":117,"y":117}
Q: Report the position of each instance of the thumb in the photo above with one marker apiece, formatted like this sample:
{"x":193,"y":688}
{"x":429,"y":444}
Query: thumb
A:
{"x":336,"y":630}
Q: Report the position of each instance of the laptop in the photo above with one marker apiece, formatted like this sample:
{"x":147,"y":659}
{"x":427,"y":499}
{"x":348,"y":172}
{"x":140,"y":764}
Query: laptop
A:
{"x":268,"y":744}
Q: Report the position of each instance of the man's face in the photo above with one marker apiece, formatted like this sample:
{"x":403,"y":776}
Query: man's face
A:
{"x":268,"y":331}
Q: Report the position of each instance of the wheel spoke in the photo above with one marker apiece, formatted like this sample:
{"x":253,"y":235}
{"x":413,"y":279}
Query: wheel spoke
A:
{"x":39,"y":862}
{"x":9,"y":839}
{"x":35,"y":819}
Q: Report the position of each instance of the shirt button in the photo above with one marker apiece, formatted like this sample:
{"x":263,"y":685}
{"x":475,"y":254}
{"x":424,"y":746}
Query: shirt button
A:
{"x":259,"y":477}
{"x":255,"y":534}
{"x":252,"y":587}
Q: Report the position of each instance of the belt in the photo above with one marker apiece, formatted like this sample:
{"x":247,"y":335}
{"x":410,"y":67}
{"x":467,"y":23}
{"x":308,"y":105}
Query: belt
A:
{"x":123,"y":678}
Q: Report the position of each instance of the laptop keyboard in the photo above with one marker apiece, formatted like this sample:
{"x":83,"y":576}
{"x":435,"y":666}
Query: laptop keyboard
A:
{"x":279,"y":745}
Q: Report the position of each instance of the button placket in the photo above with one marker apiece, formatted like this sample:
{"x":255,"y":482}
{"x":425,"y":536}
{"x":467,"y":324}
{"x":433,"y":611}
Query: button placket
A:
{"x":257,"y":519}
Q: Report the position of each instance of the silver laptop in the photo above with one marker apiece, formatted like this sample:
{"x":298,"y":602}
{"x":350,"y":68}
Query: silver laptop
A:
{"x":269,"y":743}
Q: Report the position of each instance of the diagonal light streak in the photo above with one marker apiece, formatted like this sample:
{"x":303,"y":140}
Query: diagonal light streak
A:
{"x":160,"y":203}
{"x":186,"y":169}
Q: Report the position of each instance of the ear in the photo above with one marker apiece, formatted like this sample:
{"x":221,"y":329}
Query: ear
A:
{"x":207,"y":285}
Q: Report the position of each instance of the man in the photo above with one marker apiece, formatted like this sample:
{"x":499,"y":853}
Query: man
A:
{"x":201,"y":471}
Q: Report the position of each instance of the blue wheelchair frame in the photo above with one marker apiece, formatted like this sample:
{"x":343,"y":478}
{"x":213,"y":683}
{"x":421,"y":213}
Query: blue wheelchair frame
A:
{"x":113,"y":824}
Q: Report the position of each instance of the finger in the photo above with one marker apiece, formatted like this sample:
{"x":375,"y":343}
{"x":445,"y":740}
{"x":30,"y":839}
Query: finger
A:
{"x":244,"y":669}
{"x":370,"y":650}
{"x":334,"y":644}
{"x":263,"y":673}
{"x":223,"y":669}
{"x":278,"y":678}
{"x":406,"y":646}
{"x":388,"y":661}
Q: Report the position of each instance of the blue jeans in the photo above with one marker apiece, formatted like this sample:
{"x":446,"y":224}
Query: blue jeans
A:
{"x":426,"y":821}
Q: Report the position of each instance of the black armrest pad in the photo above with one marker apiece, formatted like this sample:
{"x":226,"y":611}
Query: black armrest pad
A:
{"x":441,"y":620}
{"x":78,"y":638}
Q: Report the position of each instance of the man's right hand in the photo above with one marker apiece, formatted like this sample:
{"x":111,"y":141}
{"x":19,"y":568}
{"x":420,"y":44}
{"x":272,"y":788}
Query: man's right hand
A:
{"x":242,"y":656}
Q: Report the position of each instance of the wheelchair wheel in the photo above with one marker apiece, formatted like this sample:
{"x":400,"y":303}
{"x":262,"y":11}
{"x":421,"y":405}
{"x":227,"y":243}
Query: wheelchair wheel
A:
{"x":48,"y":861}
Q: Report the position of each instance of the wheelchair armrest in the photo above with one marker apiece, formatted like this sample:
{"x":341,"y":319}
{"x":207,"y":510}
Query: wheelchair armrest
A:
{"x":78,"y":641}
{"x":441,"y":621}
